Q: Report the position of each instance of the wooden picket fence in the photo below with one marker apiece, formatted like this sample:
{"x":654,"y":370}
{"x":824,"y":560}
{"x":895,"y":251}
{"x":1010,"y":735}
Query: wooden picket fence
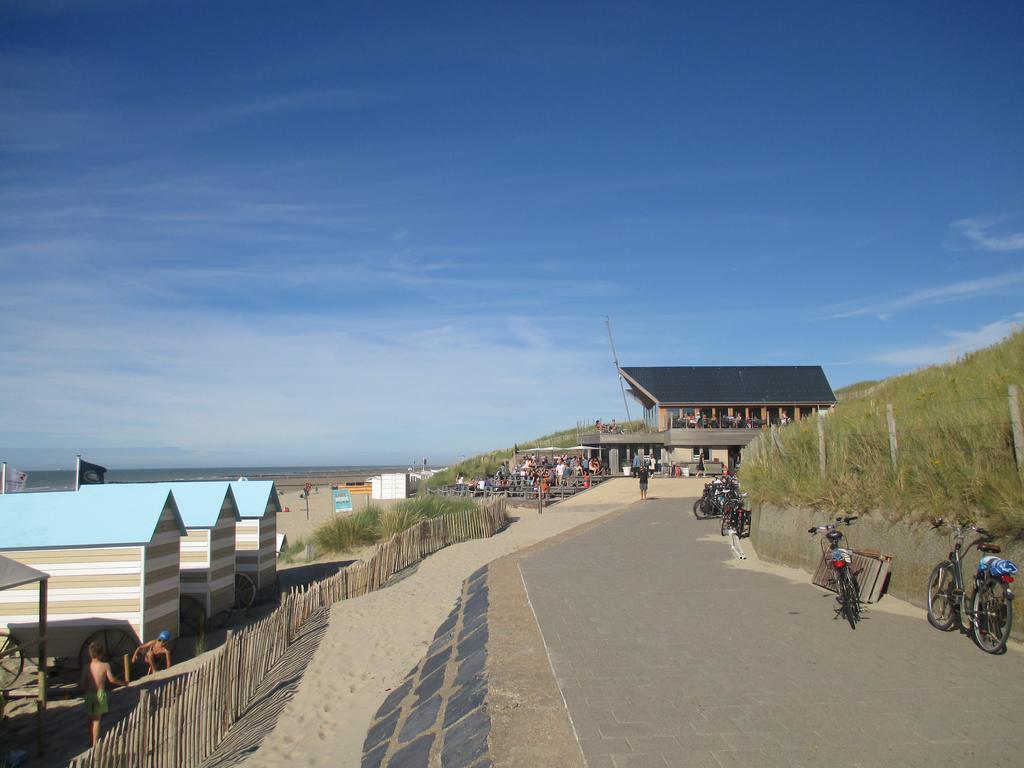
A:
{"x":181,"y":722}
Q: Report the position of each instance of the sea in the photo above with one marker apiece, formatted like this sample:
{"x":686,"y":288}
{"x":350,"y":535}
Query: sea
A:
{"x":61,"y":479}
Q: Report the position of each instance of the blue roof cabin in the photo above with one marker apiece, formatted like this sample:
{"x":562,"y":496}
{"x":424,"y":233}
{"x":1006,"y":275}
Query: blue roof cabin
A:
{"x":256,"y":531}
{"x":209,"y":512}
{"x":113,"y":559}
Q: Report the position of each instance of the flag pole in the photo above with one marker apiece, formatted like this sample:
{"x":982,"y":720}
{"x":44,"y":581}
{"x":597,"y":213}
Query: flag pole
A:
{"x":3,"y":478}
{"x":78,"y":469}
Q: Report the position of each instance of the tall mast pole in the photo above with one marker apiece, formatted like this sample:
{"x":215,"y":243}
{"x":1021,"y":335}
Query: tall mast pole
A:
{"x":615,"y":357}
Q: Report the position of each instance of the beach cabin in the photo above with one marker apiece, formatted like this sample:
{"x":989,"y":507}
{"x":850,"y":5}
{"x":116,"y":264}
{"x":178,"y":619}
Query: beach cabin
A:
{"x":209,"y":513}
{"x":112,"y":556}
{"x":255,"y":539}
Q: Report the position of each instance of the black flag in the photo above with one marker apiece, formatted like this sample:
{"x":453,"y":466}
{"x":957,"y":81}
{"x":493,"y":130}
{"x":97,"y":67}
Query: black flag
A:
{"x":90,"y":474}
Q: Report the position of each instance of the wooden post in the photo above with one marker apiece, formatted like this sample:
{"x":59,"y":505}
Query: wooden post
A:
{"x":1018,"y":431}
{"x":41,"y":672}
{"x":821,"y":443}
{"x":891,"y":420}
{"x":143,"y":726}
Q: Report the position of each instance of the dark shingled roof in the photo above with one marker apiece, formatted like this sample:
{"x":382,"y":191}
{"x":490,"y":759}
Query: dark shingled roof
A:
{"x":805,"y":384}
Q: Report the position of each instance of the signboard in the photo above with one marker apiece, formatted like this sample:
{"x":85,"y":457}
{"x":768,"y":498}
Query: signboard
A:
{"x":342,"y":499}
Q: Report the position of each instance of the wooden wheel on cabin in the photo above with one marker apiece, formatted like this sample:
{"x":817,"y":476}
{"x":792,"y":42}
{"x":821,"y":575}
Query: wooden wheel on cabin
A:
{"x":115,"y":642}
{"x":192,"y":617}
{"x":12,"y":660}
{"x":245,"y":591}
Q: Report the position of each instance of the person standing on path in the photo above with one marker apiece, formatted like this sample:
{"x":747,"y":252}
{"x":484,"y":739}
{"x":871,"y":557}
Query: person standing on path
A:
{"x":636,"y":464}
{"x":644,"y":474}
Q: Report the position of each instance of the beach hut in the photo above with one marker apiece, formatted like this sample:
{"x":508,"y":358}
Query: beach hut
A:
{"x":255,"y":539}
{"x":112,"y":556}
{"x":209,"y":512}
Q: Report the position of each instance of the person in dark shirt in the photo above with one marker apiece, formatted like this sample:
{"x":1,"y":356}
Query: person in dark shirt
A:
{"x":644,"y":474}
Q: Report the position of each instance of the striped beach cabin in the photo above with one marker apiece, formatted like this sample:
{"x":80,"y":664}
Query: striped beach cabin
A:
{"x":256,"y":532}
{"x":210,"y":514}
{"x":113,"y":558}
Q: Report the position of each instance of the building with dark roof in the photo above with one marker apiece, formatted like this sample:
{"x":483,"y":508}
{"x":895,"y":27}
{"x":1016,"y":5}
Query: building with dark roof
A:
{"x":712,"y":411}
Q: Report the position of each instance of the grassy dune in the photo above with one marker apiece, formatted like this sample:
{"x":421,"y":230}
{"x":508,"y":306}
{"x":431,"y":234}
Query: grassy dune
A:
{"x":955,"y":447}
{"x":345,"y":533}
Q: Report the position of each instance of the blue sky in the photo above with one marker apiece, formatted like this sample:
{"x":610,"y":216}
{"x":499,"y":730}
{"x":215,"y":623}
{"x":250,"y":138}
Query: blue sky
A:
{"x":255,"y":232}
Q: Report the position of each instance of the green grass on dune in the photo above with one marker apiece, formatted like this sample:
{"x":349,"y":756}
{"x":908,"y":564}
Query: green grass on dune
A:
{"x":346,"y":533}
{"x":955,"y":447}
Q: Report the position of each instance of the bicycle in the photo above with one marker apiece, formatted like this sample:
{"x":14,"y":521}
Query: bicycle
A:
{"x":840,"y":562}
{"x":716,"y":493}
{"x":990,"y":615}
{"x":735,"y":517}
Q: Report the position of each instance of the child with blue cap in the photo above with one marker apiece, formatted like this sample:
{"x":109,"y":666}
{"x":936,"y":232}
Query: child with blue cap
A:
{"x":153,"y":650}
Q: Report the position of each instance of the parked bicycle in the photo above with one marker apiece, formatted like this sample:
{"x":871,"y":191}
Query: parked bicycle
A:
{"x":840,"y":561}
{"x":716,"y":494}
{"x":990,"y":615}
{"x":736,"y":517}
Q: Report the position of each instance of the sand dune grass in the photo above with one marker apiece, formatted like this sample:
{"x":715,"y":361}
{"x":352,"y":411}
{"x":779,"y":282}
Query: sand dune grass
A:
{"x":346,"y":533}
{"x":955,"y":454}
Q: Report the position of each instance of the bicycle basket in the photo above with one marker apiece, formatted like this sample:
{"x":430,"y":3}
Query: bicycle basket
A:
{"x":999,"y":567}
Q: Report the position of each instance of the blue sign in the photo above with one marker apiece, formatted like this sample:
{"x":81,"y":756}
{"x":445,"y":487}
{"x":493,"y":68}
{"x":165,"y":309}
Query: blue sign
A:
{"x":342,"y":499}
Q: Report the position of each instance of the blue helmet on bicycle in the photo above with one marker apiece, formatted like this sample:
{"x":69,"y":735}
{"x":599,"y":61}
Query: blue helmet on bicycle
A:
{"x":1000,"y":567}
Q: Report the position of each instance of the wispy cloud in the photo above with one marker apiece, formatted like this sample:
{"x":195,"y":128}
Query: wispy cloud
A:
{"x":985,"y":234}
{"x":885,"y":307}
{"x":957,"y":343}
{"x":286,"y":102}
{"x":108,"y":372}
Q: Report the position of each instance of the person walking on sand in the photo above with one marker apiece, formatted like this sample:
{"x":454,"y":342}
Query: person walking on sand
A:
{"x":95,"y":677}
{"x":153,"y":650}
{"x":644,"y":473}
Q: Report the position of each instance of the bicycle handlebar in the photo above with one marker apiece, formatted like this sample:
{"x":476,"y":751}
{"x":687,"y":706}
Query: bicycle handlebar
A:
{"x":958,"y":530}
{"x":831,"y":526}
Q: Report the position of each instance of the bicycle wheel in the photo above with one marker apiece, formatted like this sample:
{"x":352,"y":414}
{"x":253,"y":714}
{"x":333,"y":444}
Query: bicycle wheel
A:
{"x":854,"y":588}
{"x":993,"y":616}
{"x":848,"y":598}
{"x":698,"y":509}
{"x":942,"y":605}
{"x":726,"y":517}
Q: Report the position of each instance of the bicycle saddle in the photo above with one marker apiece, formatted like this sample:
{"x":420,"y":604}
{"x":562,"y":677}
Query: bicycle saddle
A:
{"x":990,"y":548}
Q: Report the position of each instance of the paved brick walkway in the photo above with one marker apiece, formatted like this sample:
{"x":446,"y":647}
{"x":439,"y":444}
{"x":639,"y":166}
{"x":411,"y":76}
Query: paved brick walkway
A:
{"x":667,"y":656}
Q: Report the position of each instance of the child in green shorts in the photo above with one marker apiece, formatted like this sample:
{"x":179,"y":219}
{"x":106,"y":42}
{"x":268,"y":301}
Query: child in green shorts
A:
{"x":95,"y":677}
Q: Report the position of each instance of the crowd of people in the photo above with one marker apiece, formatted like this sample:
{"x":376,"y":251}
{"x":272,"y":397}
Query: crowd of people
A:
{"x":539,"y":472}
{"x":723,"y":421}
